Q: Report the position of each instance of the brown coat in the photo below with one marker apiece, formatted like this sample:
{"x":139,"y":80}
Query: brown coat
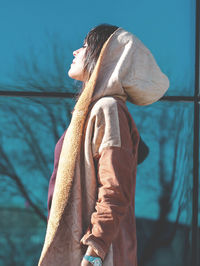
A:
{"x":101,"y":212}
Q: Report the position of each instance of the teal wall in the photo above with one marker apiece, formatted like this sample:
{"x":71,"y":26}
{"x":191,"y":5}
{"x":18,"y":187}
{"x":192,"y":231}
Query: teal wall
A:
{"x":37,"y":41}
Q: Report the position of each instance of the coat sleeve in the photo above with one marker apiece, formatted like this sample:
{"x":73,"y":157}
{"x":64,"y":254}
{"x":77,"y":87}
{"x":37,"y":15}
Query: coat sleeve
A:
{"x":116,"y":173}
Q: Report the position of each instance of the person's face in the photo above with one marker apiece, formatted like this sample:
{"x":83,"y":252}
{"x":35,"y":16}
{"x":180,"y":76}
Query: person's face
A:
{"x":77,"y":66}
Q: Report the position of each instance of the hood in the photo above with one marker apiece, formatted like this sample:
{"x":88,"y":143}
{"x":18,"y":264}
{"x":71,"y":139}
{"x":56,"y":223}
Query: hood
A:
{"x":128,"y":70}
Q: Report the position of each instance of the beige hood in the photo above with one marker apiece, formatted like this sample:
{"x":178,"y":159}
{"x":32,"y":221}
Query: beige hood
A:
{"x":128,"y":70}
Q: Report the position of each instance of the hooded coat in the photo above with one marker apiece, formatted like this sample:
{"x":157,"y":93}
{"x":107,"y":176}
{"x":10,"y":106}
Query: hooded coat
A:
{"x":91,"y":199}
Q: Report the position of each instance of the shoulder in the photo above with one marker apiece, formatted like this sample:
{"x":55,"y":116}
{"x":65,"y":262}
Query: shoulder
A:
{"x":108,"y":106}
{"x":104,"y":103}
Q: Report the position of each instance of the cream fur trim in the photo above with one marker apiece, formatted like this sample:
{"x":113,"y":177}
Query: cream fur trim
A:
{"x":68,"y":157}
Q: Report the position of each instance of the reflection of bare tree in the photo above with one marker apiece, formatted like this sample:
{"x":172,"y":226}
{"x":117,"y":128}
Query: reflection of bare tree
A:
{"x":9,"y":258}
{"x":164,"y":232}
{"x":20,"y":244}
{"x":41,"y":73}
{"x":44,"y":69}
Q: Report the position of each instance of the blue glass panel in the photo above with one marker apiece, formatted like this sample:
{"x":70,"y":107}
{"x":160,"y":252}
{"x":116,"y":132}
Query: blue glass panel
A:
{"x":29,"y":130}
{"x":30,"y":127}
{"x":166,"y":27}
{"x":164,"y":183}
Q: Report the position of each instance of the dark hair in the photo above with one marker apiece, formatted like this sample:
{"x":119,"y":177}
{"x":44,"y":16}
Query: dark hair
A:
{"x":95,"y":40}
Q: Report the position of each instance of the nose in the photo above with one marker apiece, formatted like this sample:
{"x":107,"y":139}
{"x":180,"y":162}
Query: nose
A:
{"x":76,"y":52}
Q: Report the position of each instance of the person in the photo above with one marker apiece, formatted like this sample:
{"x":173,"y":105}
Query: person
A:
{"x":91,"y":197}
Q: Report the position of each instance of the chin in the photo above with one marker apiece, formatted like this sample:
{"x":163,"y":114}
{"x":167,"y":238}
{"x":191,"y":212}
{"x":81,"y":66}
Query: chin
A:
{"x":74,"y":76}
{"x":71,"y":75}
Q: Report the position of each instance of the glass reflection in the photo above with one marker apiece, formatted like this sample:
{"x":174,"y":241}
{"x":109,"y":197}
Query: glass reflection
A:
{"x":44,"y":67}
{"x":30,"y":128}
{"x":164,"y":183}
